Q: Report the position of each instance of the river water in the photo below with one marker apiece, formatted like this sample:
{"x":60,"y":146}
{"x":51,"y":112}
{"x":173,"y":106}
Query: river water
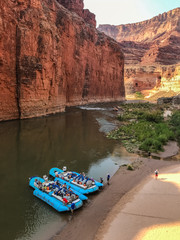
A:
{"x":75,"y":139}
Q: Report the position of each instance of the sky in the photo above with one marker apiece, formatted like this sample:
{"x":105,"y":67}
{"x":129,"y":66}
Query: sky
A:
{"x":116,"y":12}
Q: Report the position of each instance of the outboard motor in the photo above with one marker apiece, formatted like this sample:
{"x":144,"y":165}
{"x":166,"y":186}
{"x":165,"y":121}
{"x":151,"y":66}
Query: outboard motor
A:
{"x":64,"y":169}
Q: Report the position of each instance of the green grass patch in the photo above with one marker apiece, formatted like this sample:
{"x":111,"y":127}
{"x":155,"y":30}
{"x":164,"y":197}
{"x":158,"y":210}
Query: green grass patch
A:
{"x":139,"y":95}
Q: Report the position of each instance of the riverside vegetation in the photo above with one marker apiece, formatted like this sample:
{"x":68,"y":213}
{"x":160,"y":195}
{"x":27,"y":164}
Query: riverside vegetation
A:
{"x":144,"y":129}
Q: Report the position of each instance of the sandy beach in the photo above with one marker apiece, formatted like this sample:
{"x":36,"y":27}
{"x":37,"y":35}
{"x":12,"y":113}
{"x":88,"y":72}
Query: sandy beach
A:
{"x":93,"y":220}
{"x":150,"y":211}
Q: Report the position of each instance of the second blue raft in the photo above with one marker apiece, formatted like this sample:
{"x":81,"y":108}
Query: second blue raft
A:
{"x":76,"y":181}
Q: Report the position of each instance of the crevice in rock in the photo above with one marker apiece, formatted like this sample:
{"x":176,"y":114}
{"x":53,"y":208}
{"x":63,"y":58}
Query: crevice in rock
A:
{"x":86,"y":82}
{"x":18,"y":73}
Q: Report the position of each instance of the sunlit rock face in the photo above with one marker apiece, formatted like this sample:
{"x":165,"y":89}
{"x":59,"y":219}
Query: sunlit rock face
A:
{"x":51,"y":58}
{"x":77,"y":6}
{"x":152,"y":53}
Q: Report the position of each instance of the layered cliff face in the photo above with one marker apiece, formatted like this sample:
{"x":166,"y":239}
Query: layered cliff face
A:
{"x":51,"y":58}
{"x":152,"y":53}
{"x":77,"y":6}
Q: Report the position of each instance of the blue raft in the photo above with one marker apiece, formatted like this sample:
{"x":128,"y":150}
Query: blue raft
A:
{"x":49,"y":196}
{"x":76,"y":181}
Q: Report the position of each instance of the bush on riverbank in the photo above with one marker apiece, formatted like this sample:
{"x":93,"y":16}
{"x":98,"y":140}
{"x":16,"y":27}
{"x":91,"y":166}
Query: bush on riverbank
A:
{"x":147,"y":136}
{"x":145,"y":128}
{"x":175,"y":124}
{"x":155,"y":116}
{"x":139,"y":95}
{"x":130,"y":167}
{"x":134,"y":111}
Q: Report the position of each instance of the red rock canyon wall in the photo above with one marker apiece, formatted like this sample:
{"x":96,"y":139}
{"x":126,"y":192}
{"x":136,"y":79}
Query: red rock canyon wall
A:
{"x":77,"y":6}
{"x":152,"y":53}
{"x":51,"y":58}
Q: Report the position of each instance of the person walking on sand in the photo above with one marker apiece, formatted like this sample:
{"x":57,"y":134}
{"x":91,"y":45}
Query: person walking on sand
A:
{"x":108,"y":178}
{"x":156,"y":173}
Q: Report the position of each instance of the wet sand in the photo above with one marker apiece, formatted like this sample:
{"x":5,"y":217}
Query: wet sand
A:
{"x":87,"y":221}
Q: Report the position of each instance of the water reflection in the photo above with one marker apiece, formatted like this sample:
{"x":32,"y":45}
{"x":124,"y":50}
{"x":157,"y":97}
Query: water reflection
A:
{"x":32,"y":147}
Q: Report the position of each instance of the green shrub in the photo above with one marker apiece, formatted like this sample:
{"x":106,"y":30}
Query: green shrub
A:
{"x":163,"y":138}
{"x":175,"y":119}
{"x":120,"y":118}
{"x":149,"y":136}
{"x":177,"y":135}
{"x":175,"y":124}
{"x":152,"y":145}
{"x":130,"y":167}
{"x":156,"y":146}
{"x":146,"y":145}
{"x":139,"y":106}
{"x":155,"y":116}
{"x":139,"y":95}
{"x":148,"y":131}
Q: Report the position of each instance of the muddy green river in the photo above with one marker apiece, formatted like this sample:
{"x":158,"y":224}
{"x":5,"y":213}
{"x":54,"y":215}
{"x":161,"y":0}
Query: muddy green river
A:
{"x":75,"y":139}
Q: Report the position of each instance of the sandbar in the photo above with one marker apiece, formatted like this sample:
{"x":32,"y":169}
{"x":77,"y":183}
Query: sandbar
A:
{"x":88,"y":222}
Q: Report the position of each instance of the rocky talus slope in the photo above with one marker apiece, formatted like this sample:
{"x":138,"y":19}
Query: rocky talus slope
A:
{"x":52,"y":56}
{"x":152,"y":53}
